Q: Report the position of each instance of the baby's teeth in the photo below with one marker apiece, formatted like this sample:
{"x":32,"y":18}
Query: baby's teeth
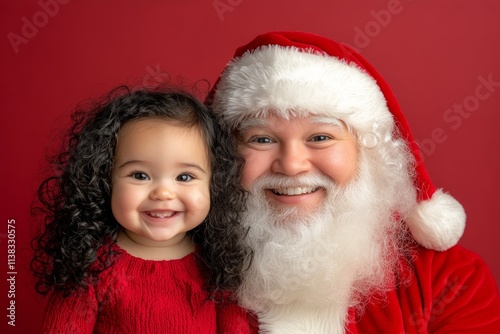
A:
{"x":160,"y":215}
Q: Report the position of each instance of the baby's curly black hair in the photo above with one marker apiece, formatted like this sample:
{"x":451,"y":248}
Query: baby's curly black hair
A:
{"x":79,"y":229}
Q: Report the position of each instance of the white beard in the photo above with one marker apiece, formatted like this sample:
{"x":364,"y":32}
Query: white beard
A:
{"x":309,"y":268}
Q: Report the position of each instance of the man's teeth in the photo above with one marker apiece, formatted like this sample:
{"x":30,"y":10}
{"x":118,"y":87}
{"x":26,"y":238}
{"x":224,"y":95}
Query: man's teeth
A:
{"x":294,"y":191}
{"x":161,"y":214}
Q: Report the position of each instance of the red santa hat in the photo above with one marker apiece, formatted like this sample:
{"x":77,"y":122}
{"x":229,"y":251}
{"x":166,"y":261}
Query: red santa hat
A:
{"x":298,"y":74}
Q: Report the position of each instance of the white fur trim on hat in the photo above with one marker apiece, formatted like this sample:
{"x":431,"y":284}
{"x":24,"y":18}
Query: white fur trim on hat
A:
{"x":290,"y":83}
{"x":439,"y":222}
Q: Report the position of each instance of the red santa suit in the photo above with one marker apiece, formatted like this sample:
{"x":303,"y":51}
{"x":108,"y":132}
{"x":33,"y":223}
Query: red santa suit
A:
{"x":448,"y":292}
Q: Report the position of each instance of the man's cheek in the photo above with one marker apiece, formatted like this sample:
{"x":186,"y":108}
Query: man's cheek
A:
{"x":246,"y":181}
{"x":253,"y":168}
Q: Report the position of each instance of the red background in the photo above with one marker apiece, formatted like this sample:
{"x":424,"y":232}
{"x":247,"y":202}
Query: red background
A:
{"x":432,"y":53}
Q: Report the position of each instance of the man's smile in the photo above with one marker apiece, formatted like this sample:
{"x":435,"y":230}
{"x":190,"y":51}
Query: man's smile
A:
{"x":291,"y":191}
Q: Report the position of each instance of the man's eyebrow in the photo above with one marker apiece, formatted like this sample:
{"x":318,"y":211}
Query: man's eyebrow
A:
{"x":252,"y":123}
{"x":260,"y":122}
{"x":329,"y":121}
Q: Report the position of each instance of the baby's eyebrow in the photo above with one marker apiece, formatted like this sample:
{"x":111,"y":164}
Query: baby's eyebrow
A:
{"x":180,"y":164}
{"x":193,"y":165}
{"x":132,"y":162}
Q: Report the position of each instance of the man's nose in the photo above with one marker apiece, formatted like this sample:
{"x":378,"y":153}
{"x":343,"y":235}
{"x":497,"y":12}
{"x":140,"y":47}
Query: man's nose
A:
{"x":292,"y":159}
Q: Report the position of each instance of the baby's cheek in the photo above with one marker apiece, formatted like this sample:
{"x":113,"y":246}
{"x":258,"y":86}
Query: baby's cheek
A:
{"x":201,"y":201}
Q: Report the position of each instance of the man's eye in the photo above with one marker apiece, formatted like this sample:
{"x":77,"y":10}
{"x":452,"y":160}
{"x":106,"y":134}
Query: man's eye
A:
{"x":184,"y":178}
{"x":260,"y":140}
{"x":140,"y":176}
{"x":320,"y":138}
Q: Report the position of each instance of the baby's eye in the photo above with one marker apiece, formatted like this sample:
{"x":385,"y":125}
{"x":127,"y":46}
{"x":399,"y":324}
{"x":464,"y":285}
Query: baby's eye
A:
{"x":320,"y":138}
{"x":140,"y":176}
{"x":184,"y":178}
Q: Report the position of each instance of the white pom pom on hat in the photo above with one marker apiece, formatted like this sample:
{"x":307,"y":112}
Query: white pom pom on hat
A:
{"x":295,"y":73}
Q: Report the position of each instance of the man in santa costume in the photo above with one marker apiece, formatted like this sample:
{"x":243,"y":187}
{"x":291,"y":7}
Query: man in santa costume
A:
{"x":349,"y":234}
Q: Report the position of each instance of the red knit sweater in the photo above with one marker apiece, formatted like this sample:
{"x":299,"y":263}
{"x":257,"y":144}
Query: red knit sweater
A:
{"x":144,"y":296}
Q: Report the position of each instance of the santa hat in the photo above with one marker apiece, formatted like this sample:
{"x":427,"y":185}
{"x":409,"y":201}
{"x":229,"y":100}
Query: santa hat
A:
{"x":297,"y":74}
